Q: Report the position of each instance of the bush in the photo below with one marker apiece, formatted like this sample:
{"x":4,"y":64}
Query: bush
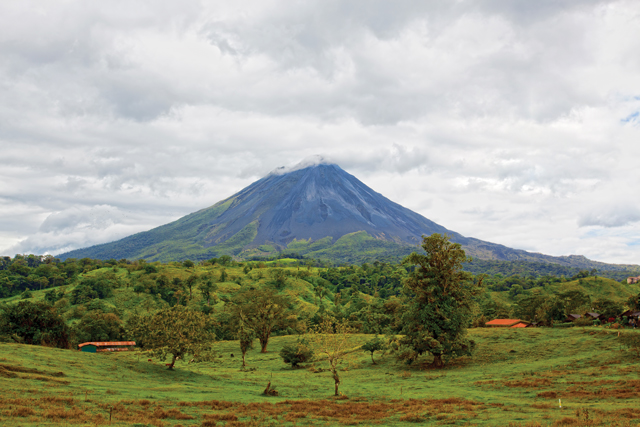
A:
{"x":583,"y":321}
{"x":298,"y":352}
{"x":563,"y":325}
{"x":148,"y":268}
{"x":93,"y":287}
{"x":52,"y":296}
{"x":631,"y":341}
{"x":96,"y":326}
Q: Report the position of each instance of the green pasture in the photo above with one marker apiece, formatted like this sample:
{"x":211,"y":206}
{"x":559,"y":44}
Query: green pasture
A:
{"x":515,"y":377}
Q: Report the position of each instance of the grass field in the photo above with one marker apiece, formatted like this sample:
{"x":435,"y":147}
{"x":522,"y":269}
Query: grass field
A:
{"x":515,"y":377}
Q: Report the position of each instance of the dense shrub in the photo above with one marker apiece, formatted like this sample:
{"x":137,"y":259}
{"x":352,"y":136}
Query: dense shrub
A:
{"x":52,"y":295}
{"x":583,"y":321}
{"x":631,"y":341}
{"x":296,"y":353}
{"x":93,"y":287}
{"x":563,"y":325}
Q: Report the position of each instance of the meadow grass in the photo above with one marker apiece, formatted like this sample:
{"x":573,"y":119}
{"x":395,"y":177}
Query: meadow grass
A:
{"x":515,"y":377}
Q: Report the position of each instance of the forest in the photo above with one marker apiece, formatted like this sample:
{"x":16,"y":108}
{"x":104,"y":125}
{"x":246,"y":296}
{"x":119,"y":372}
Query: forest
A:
{"x":91,"y":300}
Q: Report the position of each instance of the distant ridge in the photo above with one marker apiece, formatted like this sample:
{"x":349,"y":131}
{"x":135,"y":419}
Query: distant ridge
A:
{"x":314,"y":208}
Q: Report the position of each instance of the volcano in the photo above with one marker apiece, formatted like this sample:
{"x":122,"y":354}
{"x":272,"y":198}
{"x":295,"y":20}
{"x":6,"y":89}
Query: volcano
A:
{"x":314,"y":209}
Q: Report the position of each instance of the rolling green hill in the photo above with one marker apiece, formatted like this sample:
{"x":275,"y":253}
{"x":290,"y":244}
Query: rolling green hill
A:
{"x":515,"y":377}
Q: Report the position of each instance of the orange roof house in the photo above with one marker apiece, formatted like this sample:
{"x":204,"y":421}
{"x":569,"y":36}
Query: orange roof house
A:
{"x":520,"y":325}
{"x":508,"y":323}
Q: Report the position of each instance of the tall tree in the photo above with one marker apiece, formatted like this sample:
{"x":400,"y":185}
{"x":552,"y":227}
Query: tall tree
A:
{"x":439,"y":304}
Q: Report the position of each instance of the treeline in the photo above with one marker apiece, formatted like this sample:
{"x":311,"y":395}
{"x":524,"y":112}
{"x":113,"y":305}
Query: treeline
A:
{"x":93,"y":300}
{"x":539,"y":269}
{"x":36,"y":272}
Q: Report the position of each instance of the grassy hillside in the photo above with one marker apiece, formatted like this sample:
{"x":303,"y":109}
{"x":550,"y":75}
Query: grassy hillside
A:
{"x":515,"y":378}
{"x":596,"y":287}
{"x":131,"y":293}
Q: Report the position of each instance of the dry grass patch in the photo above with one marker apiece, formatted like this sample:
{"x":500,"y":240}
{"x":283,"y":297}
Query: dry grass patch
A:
{"x":529,"y":383}
{"x":548,"y":394}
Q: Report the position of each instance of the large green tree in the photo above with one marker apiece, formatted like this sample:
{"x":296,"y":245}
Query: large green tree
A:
{"x":439,"y":301}
{"x":175,"y":331}
{"x":261,"y":310}
{"x":35,"y":323}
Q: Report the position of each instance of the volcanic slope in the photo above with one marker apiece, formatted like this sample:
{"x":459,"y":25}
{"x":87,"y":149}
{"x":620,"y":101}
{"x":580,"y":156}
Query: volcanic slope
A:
{"x":318,"y":210}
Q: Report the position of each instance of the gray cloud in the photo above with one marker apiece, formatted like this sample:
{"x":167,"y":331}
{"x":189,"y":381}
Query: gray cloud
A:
{"x":508,"y":121}
{"x":611,"y":217}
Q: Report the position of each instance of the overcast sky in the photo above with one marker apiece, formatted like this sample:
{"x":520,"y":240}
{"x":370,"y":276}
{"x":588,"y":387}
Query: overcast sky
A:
{"x":515,"y":122}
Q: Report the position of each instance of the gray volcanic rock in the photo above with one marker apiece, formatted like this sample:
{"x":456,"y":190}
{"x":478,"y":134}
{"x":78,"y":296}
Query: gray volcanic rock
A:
{"x":315,"y":202}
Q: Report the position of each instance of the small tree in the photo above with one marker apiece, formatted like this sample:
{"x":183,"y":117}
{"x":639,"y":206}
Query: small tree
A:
{"x":262,"y":310}
{"x":246,"y":336}
{"x":175,"y":331}
{"x":206,"y":289}
{"x":296,"y":353}
{"x":225,"y":260}
{"x":191,"y":281}
{"x":330,"y":343}
{"x":279,"y":278}
{"x":373,"y":345}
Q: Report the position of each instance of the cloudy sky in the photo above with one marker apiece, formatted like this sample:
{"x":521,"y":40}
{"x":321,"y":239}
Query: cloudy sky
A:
{"x":515,"y":122}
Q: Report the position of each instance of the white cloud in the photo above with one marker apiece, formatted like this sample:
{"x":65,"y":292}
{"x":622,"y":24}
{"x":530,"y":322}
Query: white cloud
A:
{"x":508,"y":121}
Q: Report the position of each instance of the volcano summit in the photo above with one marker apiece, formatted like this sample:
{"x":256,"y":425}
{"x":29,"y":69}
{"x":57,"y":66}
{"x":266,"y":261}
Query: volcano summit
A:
{"x":315,"y":209}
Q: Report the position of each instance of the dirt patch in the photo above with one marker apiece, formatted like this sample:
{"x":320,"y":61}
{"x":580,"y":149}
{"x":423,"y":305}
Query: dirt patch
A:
{"x":10,"y":371}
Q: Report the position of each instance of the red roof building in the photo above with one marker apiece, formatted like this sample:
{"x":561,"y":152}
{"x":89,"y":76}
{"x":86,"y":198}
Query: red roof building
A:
{"x":504,"y":323}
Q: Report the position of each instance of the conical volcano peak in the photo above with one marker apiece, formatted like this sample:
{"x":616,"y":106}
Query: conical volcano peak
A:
{"x":314,"y":208}
{"x":307,"y":162}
